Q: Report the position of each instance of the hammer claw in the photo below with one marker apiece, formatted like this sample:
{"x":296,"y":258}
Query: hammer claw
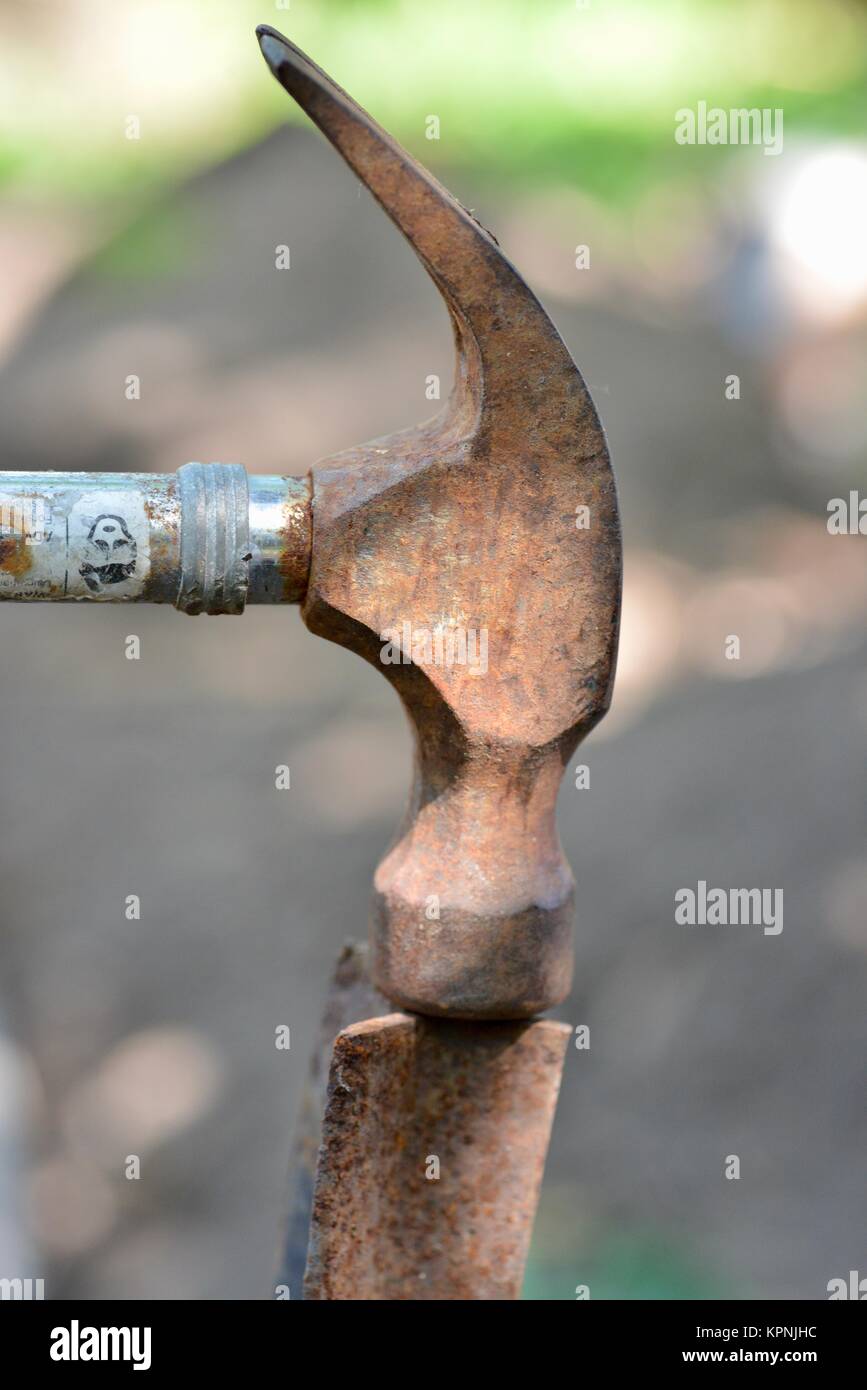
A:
{"x":493,"y":310}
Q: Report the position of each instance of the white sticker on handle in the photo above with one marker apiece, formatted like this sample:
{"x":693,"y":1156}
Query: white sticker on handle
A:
{"x":88,"y":543}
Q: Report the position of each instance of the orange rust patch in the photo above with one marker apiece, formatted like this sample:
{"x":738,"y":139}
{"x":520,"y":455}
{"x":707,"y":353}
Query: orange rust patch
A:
{"x":16,"y":556}
{"x":296,"y":537}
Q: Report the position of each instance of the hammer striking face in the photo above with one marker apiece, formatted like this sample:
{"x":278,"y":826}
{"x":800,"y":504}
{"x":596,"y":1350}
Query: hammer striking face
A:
{"x":476,"y":560}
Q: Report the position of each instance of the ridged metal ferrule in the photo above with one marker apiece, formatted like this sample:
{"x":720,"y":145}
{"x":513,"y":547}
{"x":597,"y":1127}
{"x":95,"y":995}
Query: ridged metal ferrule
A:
{"x":215,"y":538}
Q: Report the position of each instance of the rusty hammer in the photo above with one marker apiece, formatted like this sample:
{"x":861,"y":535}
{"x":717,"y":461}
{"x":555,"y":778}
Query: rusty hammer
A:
{"x":474,"y":559}
{"x":465,"y":529}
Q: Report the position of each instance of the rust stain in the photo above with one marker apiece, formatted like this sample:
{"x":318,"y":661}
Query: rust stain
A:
{"x":162,"y":509}
{"x":16,"y":556}
{"x":296,"y":540}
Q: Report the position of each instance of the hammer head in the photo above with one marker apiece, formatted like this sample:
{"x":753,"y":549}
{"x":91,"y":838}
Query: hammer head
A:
{"x":476,"y":561}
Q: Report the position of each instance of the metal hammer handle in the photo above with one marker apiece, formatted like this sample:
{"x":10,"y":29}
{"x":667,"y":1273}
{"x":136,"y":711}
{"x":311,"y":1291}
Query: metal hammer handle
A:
{"x":208,"y":539}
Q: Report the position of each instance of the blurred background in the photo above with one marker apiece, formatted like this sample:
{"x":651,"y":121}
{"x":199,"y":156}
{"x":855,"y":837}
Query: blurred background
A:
{"x":155,"y":256}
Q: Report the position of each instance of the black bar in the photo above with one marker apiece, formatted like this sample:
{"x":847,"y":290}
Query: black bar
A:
{"x":174,"y":1338}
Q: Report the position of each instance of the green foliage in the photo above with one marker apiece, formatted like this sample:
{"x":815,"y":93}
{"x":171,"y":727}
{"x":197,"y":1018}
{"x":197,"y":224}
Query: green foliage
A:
{"x":528,"y":89}
{"x":631,"y":1265}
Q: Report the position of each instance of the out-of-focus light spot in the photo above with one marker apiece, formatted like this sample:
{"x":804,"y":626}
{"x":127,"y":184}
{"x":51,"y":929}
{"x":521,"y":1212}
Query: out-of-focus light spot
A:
{"x":151,"y":1086}
{"x":820,"y":230}
{"x":152,"y":57}
{"x":636,"y":52}
{"x":793,"y":595}
{"x":756,"y":610}
{"x":825,"y":578}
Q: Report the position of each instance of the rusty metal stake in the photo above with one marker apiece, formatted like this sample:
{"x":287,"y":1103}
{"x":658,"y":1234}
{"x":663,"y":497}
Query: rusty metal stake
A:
{"x":417,"y":1168}
{"x":476,"y":561}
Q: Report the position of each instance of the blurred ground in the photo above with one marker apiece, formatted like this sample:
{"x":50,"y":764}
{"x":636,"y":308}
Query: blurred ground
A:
{"x":156,"y":778}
